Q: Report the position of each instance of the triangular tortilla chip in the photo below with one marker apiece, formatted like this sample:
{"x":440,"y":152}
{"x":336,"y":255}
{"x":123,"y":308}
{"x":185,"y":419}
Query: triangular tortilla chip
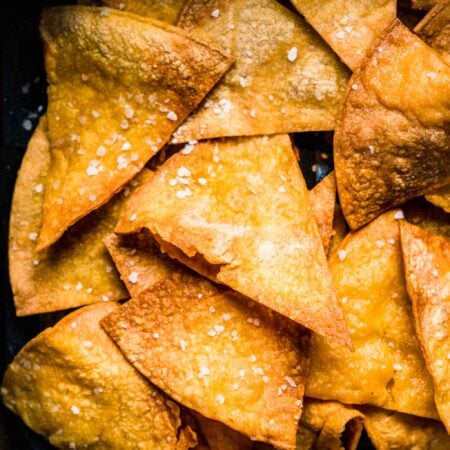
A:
{"x":441,"y":198}
{"x":427,"y":271}
{"x":113,"y":102}
{"x":352,"y":27}
{"x":392,"y":430}
{"x":328,"y":425}
{"x":75,"y":271}
{"x":73,"y":385}
{"x":392,"y":139}
{"x":139,"y":261}
{"x":285,"y":79}
{"x":387,"y":367}
{"x":218,"y":353}
{"x":323,"y":202}
{"x":237,"y":211}
{"x":434,"y":28}
{"x":338,"y":232}
{"x":164,"y":10}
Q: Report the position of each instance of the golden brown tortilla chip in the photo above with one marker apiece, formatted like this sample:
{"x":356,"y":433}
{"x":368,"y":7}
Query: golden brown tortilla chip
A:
{"x":339,"y":230}
{"x":285,"y":79}
{"x":423,"y":4}
{"x":352,"y":27}
{"x":391,"y":430}
{"x":392,"y":139}
{"x":427,"y":271}
{"x":237,"y":211}
{"x":73,"y":385}
{"x":441,"y":198}
{"x":387,"y":367}
{"x":323,"y":202}
{"x":164,"y":10}
{"x":113,"y":102}
{"x":218,"y":353}
{"x":328,"y":425}
{"x":434,"y":28}
{"x":139,"y":261}
{"x":75,"y":271}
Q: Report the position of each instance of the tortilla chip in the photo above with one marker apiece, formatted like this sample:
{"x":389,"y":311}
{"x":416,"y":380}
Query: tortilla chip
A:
{"x":323,"y":201}
{"x":441,"y":198}
{"x":427,"y":270}
{"x":113,"y":102}
{"x":329,"y":425}
{"x":252,"y":229}
{"x":139,"y":261}
{"x":426,"y":216}
{"x":75,"y":271}
{"x":351,"y":28}
{"x":285,"y":79}
{"x":423,"y":4}
{"x":73,"y":385}
{"x":218,"y":353}
{"x":392,"y":139}
{"x":164,"y":10}
{"x":387,"y":367}
{"x":434,"y":28}
{"x":391,"y":430}
{"x":338,"y":232}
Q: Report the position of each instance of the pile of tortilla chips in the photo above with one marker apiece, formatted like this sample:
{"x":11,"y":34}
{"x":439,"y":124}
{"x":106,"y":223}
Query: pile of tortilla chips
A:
{"x":221,"y":304}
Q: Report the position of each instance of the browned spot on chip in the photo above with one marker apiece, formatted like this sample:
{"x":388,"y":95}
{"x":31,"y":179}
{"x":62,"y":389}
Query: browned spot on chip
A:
{"x":113,"y":102}
{"x":323,"y":202}
{"x":328,"y":425}
{"x":285,"y":79}
{"x":164,"y":10}
{"x":217,"y":353}
{"x":427,"y":271}
{"x":238,"y":212}
{"x":391,"y":430}
{"x":339,"y":230}
{"x":392,"y":139}
{"x":387,"y":367}
{"x":75,"y":271}
{"x":350,"y":27}
{"x":73,"y":385}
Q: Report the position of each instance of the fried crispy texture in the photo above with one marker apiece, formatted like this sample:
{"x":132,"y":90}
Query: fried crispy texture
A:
{"x":164,"y":10}
{"x":351,"y":28}
{"x":387,"y":368}
{"x":339,"y":230}
{"x":323,"y":202}
{"x":427,"y":271}
{"x":328,"y":425}
{"x":392,"y":138}
{"x":218,"y":353}
{"x":441,"y":198}
{"x":434,"y":28}
{"x":252,"y":229}
{"x":139,"y":261}
{"x":73,"y":385}
{"x":285,"y":79}
{"x":75,"y":271}
{"x":391,"y":430}
{"x":113,"y":102}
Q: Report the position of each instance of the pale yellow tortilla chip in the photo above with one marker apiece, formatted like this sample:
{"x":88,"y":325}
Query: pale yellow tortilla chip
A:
{"x":73,"y":385}
{"x":139,"y":261}
{"x":338,"y":232}
{"x":441,"y":198}
{"x":75,"y":271}
{"x":285,"y":79}
{"x":427,"y":271}
{"x":237,"y":211}
{"x":113,"y":101}
{"x":328,"y":425}
{"x":218,"y":353}
{"x":164,"y":10}
{"x":387,"y":367}
{"x":392,"y":430}
{"x":392,"y":139}
{"x":434,"y":28}
{"x":351,"y":27}
{"x":323,"y":202}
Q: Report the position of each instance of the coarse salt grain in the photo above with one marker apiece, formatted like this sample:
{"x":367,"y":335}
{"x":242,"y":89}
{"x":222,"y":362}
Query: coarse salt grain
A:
{"x":354,"y":86}
{"x":101,"y":151}
{"x":342,"y":254}
{"x":183,"y":344}
{"x":215,"y":13}
{"x":183,"y":172}
{"x":220,"y":399}
{"x":133,"y":217}
{"x":75,"y":410}
{"x":202,"y":181}
{"x":292,"y":54}
{"x":39,"y":188}
{"x":184,"y":193}
{"x":399,"y":215}
{"x":172,"y":116}
{"x":133,"y":277}
{"x":340,"y":34}
{"x":32,"y":236}
{"x":397,"y":367}
{"x":126,"y":146}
